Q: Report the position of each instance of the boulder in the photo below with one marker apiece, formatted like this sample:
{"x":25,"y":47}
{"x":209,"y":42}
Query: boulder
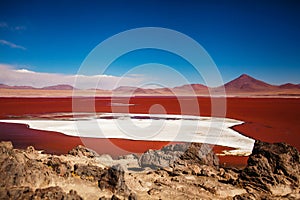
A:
{"x":55,"y":193}
{"x":128,"y":157}
{"x":179,"y":154}
{"x":5,"y":147}
{"x":113,"y":179}
{"x":18,"y":170}
{"x":61,"y":168}
{"x":272,"y":168}
{"x":158,"y":158}
{"x":114,"y":197}
{"x":200,"y":154}
{"x":88,"y":172}
{"x":45,"y":193}
{"x":83,"y":151}
{"x":132,"y":196}
{"x":16,"y":193}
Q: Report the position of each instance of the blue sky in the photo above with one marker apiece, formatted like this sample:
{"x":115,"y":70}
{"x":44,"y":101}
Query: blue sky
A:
{"x":260,"y":38}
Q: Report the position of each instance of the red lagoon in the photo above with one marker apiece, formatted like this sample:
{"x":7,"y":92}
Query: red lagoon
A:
{"x":266,"y":119}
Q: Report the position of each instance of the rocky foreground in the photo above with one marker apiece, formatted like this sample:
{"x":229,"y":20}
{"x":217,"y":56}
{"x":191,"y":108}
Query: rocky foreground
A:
{"x":178,"y":171}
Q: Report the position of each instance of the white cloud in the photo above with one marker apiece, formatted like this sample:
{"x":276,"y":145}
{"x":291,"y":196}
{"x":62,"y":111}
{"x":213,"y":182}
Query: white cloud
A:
{"x":11,"y":45}
{"x":23,"y":77}
{"x":24,"y":71}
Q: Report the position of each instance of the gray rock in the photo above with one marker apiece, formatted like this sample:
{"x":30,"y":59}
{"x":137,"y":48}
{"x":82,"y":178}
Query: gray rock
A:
{"x":182,"y":154}
{"x":200,"y":154}
{"x":128,"y":157}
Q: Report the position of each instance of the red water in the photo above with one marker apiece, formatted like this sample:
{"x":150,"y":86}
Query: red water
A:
{"x":267,"y":119}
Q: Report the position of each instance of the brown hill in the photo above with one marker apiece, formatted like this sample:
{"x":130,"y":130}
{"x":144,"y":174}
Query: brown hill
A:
{"x":195,"y":87}
{"x":128,"y":90}
{"x":164,"y":91}
{"x":5,"y":86}
{"x":289,"y":86}
{"x":246,"y":83}
{"x":243,"y":85}
{"x":191,"y":89}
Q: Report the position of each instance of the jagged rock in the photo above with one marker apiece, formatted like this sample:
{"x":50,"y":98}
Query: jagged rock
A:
{"x":227,"y":176}
{"x":129,"y":156}
{"x":55,"y":193}
{"x":88,"y":172}
{"x":132,"y":196}
{"x":45,"y":193}
{"x":5,"y":147}
{"x":72,"y":195}
{"x":18,"y":170}
{"x":272,"y":173}
{"x":61,"y":168}
{"x":105,"y":157}
{"x":200,"y":154}
{"x":16,"y":193}
{"x":157,"y":159}
{"x":114,"y":197}
{"x":30,"y":149}
{"x":182,"y":154}
{"x":21,"y":172}
{"x":104,"y":198}
{"x":83,"y":151}
{"x":162,"y":158}
{"x":113,"y":179}
{"x":245,"y":196}
{"x":272,"y":168}
{"x":154,"y":191}
{"x":208,"y":171}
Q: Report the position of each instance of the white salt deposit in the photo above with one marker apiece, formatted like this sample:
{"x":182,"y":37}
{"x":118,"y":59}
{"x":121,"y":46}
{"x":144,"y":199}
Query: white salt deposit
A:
{"x":154,"y":127}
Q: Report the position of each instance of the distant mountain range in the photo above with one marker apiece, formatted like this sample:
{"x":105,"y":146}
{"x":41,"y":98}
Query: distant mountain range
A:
{"x":242,"y":85}
{"x":54,"y":87}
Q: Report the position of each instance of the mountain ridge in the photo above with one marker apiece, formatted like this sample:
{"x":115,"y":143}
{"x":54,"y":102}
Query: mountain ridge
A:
{"x":247,"y":83}
{"x":52,"y":87}
{"x":241,"y":85}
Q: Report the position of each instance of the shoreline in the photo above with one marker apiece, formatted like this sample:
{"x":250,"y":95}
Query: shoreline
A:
{"x":297,"y":96}
{"x":266,"y":119}
{"x":21,"y":136}
{"x":166,"y":128}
